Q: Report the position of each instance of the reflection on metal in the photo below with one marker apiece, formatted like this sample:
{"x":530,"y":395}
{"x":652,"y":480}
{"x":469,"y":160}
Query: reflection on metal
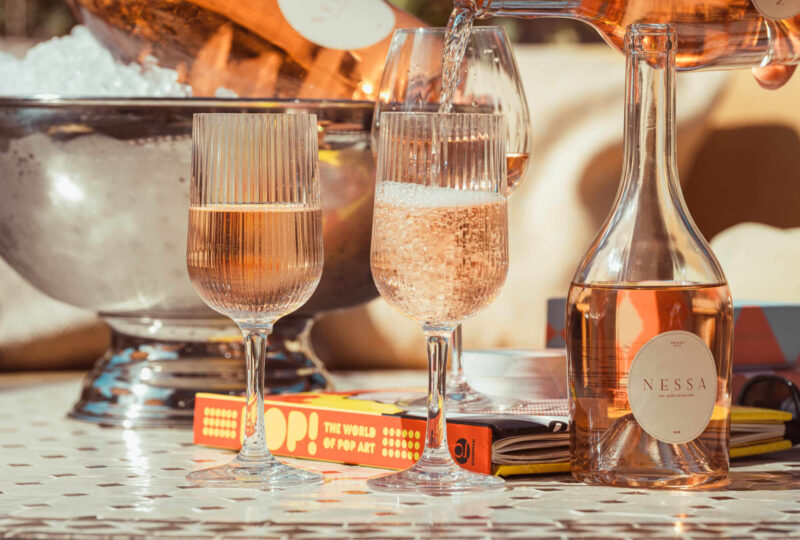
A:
{"x":94,"y":214}
{"x":147,"y":383}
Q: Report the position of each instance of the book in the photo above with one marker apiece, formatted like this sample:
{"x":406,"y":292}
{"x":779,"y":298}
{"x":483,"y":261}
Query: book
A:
{"x":367,"y":428}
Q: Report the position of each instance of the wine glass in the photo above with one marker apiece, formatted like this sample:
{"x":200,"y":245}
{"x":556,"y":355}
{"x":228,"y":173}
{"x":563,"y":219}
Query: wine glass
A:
{"x":439,"y":255}
{"x":489,"y":82}
{"x":254,"y":254}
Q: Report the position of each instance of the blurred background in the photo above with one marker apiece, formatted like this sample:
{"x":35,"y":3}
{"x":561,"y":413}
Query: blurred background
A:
{"x":34,"y":19}
{"x":739,"y":153}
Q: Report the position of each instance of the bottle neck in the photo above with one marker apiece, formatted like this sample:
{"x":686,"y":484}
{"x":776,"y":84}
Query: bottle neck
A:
{"x":526,"y":8}
{"x":650,"y":193}
{"x":649,"y":237}
{"x":650,"y":151}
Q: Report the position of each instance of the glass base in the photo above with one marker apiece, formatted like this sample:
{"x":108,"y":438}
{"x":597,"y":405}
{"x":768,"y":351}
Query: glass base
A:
{"x":462,"y":398}
{"x":268,"y":474}
{"x":627,"y":456}
{"x":651,"y":481}
{"x":441,"y":479}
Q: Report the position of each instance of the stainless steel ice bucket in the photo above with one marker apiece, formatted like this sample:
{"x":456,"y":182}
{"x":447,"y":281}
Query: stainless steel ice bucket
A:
{"x":94,"y":213}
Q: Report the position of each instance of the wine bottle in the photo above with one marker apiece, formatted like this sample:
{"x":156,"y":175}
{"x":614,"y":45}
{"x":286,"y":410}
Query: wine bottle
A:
{"x":332,"y":49}
{"x":711,"y":33}
{"x":649,"y":314}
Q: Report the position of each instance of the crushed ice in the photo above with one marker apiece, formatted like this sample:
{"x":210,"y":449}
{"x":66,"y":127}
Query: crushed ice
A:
{"x":78,"y":65}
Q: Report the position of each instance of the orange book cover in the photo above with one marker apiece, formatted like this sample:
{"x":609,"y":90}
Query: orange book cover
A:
{"x":366,"y":428}
{"x":343,"y":427}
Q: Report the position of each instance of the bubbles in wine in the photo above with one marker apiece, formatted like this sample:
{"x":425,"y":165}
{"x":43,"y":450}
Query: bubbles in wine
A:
{"x":438,"y":255}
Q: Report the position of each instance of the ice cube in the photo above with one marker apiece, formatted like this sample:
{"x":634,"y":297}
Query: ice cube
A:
{"x":77,"y":65}
{"x":223,"y":92}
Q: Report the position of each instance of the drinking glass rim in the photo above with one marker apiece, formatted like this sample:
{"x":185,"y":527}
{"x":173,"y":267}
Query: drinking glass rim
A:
{"x":430,"y":114}
{"x":253,"y":115}
{"x":443,"y":30}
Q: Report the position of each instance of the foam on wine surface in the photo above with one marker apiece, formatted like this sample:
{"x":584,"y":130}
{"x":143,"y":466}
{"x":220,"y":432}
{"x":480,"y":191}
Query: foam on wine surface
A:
{"x":421,"y":196}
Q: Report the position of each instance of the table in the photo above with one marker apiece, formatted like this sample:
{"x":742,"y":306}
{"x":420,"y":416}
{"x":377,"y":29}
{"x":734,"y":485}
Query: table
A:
{"x":61,"y":478}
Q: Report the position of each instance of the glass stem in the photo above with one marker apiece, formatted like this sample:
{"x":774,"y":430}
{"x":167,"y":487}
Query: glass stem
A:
{"x":436,"y":436}
{"x":254,"y":447}
{"x":456,"y":367}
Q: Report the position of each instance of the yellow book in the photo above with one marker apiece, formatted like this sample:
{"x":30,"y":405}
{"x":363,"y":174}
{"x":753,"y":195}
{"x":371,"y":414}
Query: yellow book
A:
{"x":753,"y":431}
{"x":754,"y":415}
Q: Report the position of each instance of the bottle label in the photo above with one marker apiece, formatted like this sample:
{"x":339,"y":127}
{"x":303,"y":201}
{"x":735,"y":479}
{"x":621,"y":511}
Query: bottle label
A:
{"x":777,"y":9}
{"x":340,"y":24}
{"x":672,"y":386}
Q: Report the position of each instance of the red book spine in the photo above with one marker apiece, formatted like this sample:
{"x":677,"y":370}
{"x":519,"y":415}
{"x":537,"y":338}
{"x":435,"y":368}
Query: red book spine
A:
{"x":756,"y":343}
{"x":341,"y":436}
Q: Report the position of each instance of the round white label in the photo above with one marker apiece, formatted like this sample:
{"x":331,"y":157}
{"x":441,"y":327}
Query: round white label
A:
{"x":777,"y":9}
{"x":339,"y":24}
{"x":672,"y":386}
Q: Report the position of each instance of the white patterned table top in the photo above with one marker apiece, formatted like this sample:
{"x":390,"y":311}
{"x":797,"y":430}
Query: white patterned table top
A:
{"x":62,"y":478}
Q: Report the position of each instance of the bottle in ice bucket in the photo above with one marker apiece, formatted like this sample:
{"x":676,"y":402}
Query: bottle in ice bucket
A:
{"x":649,"y":315}
{"x":331,"y":49}
{"x":711,"y":33}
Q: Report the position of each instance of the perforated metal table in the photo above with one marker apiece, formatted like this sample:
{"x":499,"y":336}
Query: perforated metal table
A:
{"x":62,"y":478}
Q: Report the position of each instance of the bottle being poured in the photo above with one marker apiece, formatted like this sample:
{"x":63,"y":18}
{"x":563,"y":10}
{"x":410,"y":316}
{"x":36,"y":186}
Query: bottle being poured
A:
{"x":711,"y":33}
{"x":649,"y":314}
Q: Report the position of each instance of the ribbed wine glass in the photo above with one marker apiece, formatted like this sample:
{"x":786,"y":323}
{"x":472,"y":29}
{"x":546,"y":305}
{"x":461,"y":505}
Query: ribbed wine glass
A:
{"x":254,"y":254}
{"x":439,"y":255}
{"x":489,"y":82}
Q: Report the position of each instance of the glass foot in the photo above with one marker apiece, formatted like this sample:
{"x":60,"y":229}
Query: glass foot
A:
{"x":441,"y":479}
{"x":627,"y":456}
{"x":269,"y":474}
{"x":462,"y":398}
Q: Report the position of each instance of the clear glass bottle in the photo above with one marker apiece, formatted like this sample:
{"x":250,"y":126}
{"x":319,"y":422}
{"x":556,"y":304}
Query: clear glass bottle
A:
{"x":711,"y":33}
{"x":649,"y":314}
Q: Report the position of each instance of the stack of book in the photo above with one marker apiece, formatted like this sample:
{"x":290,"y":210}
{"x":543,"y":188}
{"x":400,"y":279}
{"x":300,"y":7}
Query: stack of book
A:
{"x":367,"y":428}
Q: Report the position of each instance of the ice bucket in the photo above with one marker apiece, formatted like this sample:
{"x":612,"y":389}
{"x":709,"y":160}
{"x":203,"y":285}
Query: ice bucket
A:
{"x":94,"y":214}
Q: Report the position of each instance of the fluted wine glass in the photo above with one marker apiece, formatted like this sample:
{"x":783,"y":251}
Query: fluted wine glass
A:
{"x":489,"y":82}
{"x":439,"y":255}
{"x":254,"y":254}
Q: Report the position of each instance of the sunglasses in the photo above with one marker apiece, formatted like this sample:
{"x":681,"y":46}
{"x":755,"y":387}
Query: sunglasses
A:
{"x":774,"y":392}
